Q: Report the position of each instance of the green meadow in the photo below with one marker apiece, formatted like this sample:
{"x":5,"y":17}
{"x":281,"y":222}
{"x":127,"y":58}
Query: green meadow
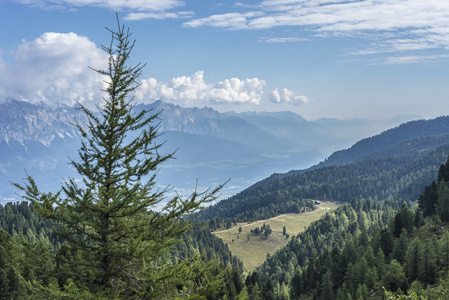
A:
{"x":253,"y":249}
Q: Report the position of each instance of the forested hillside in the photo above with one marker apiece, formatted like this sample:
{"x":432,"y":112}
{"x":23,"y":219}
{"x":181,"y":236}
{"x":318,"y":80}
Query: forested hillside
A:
{"x":365,"y":250}
{"x":399,"y":170}
{"x":414,"y":133}
{"x":353,"y":252}
{"x":20,"y":220}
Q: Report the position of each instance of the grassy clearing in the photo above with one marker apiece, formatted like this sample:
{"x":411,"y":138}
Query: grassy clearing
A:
{"x":253,"y":250}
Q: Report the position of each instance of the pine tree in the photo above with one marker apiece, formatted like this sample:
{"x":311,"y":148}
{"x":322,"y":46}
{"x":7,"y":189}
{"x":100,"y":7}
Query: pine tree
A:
{"x":442,"y":206}
{"x":296,"y":285}
{"x":268,"y":290}
{"x":444,"y":253}
{"x":403,"y":220}
{"x":343,"y":293}
{"x":413,"y":259}
{"x":362,"y":292}
{"x":121,"y":244}
{"x":428,"y":199}
{"x":394,"y":277}
{"x":427,"y":269}
{"x":326,"y":290}
{"x":400,"y":247}
{"x":386,"y":241}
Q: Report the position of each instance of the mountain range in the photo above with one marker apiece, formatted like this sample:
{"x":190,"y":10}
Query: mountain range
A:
{"x":211,"y":147}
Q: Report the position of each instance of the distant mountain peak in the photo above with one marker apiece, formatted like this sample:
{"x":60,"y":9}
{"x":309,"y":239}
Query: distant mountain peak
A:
{"x":168,"y":108}
{"x":24,"y":122}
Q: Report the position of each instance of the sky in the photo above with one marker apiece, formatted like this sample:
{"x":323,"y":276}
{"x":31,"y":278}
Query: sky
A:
{"x":371,"y":59}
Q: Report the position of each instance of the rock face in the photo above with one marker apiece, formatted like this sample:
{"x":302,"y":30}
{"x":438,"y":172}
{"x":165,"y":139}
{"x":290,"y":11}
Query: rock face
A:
{"x":25,"y":123}
{"x":36,"y":140}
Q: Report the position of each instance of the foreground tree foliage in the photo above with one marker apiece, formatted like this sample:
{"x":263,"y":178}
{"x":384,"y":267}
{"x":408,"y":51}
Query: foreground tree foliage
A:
{"x":30,"y":252}
{"x":117,"y":245}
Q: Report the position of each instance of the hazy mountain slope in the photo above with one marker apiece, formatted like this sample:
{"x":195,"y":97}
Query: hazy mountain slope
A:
{"x":404,"y":132}
{"x":215,"y":147}
{"x":428,"y":137}
{"x":397,"y":163}
{"x":324,"y":135}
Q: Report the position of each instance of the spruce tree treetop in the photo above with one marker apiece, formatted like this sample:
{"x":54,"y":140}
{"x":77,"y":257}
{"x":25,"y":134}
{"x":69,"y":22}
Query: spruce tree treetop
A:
{"x":119,"y":243}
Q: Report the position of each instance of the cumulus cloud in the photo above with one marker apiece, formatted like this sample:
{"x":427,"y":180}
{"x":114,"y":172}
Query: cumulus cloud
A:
{"x":287,"y":96}
{"x":192,"y":89}
{"x":54,"y":68}
{"x":412,"y":24}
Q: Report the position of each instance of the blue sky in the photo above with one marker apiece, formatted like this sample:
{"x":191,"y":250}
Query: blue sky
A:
{"x":319,"y":58}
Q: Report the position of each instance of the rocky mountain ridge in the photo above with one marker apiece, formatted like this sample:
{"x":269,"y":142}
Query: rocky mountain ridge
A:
{"x":24,"y":122}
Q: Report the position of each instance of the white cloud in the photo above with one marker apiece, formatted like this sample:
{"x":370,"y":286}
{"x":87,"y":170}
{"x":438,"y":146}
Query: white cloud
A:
{"x":228,"y":21}
{"x":282,"y":40}
{"x":55,"y":68}
{"x":188,"y":90}
{"x":140,"y":5}
{"x":287,"y":96}
{"x":339,"y":15}
{"x":413,"y":24}
{"x":413,"y":59}
{"x":158,"y":16}
{"x":142,"y":16}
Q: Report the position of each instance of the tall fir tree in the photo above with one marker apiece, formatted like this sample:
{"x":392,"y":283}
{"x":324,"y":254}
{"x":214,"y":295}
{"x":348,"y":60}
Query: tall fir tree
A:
{"x":119,"y":245}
